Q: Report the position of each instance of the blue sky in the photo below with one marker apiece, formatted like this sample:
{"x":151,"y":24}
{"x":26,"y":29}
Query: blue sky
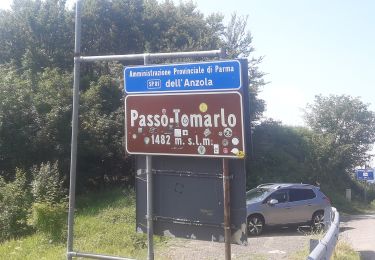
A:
{"x":310,"y":47}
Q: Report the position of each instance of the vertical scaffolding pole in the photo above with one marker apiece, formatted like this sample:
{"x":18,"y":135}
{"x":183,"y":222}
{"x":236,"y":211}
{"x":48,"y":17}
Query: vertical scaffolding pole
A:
{"x":150,"y":224}
{"x":73,"y":153}
{"x":226,"y":192}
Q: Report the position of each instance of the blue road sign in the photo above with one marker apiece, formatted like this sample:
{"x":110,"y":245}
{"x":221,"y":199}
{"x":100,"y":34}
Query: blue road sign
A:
{"x":188,"y":77}
{"x":363,"y":175}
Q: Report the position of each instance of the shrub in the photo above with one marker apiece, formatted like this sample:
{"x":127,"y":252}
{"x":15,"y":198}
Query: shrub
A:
{"x":47,"y":185}
{"x":15,"y":202}
{"x":50,"y":219}
{"x":49,"y":207}
{"x":373,"y":204}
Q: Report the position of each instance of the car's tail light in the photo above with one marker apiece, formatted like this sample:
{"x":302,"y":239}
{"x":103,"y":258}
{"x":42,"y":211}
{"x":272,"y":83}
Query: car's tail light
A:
{"x":327,"y":199}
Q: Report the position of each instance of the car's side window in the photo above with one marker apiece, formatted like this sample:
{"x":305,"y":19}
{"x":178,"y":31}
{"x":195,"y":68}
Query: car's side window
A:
{"x":280,"y":195}
{"x":301,"y":194}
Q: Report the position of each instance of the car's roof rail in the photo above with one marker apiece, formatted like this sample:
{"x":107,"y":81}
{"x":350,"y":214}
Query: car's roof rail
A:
{"x":305,"y":184}
{"x":265,"y":184}
{"x":279,"y":185}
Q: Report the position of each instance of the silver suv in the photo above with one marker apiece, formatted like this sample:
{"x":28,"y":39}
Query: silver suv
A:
{"x":274,"y":204}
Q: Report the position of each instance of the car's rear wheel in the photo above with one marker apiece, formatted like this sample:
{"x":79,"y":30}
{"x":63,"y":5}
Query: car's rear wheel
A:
{"x":255,"y":225}
{"x":317,"y":221}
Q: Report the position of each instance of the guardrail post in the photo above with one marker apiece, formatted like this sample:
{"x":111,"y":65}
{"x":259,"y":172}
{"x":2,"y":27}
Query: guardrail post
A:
{"x":313,"y":244}
{"x":327,"y":217}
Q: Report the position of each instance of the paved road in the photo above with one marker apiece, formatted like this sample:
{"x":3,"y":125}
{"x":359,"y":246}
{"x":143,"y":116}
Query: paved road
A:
{"x":359,"y":231}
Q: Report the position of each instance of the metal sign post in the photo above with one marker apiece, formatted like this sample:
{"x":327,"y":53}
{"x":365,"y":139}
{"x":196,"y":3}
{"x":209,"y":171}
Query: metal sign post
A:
{"x":150,"y":224}
{"x":73,"y":153}
{"x":227,"y":225}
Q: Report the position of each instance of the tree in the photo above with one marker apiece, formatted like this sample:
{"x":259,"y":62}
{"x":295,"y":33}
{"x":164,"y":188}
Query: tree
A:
{"x":52,"y":99}
{"x":36,"y":60}
{"x":237,"y":41}
{"x":280,"y":154}
{"x":18,"y":124}
{"x":112,"y":27}
{"x":34,"y":118}
{"x":169,"y":27}
{"x":346,"y":125}
{"x":37,"y":34}
{"x":101,"y":131}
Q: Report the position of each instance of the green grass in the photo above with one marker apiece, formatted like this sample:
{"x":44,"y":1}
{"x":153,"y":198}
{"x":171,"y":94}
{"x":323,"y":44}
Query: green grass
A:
{"x":104,"y":224}
{"x":343,"y":251}
{"x":349,"y":207}
{"x":364,"y":208}
{"x":31,"y":247}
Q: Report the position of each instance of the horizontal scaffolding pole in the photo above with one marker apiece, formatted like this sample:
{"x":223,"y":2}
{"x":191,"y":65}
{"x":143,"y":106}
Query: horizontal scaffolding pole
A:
{"x":96,"y":256}
{"x":187,"y":222}
{"x":142,"y":172}
{"x":187,"y":174}
{"x":192,"y":54}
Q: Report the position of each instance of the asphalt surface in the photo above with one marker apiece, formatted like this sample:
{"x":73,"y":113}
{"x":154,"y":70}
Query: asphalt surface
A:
{"x":272,"y":245}
{"x":359,"y":232}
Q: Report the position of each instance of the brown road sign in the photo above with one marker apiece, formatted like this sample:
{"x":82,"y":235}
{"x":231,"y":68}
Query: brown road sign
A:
{"x":188,"y":124}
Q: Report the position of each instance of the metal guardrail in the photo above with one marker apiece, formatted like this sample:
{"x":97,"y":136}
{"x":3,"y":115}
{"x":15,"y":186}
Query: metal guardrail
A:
{"x":326,"y":246}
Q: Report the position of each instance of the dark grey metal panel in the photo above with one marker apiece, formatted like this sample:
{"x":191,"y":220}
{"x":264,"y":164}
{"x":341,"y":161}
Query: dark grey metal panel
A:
{"x":188,"y":198}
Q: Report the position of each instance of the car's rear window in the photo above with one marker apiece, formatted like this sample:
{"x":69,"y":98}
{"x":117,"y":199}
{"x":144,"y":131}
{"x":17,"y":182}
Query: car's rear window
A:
{"x":301,"y":194}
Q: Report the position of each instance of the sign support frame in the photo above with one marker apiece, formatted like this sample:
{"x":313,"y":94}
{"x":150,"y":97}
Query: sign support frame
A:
{"x":74,"y":141}
{"x":150,"y":224}
{"x":78,"y":59}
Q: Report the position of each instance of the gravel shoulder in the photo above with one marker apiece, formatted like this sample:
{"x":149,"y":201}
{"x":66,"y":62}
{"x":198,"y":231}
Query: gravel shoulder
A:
{"x":272,"y":245}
